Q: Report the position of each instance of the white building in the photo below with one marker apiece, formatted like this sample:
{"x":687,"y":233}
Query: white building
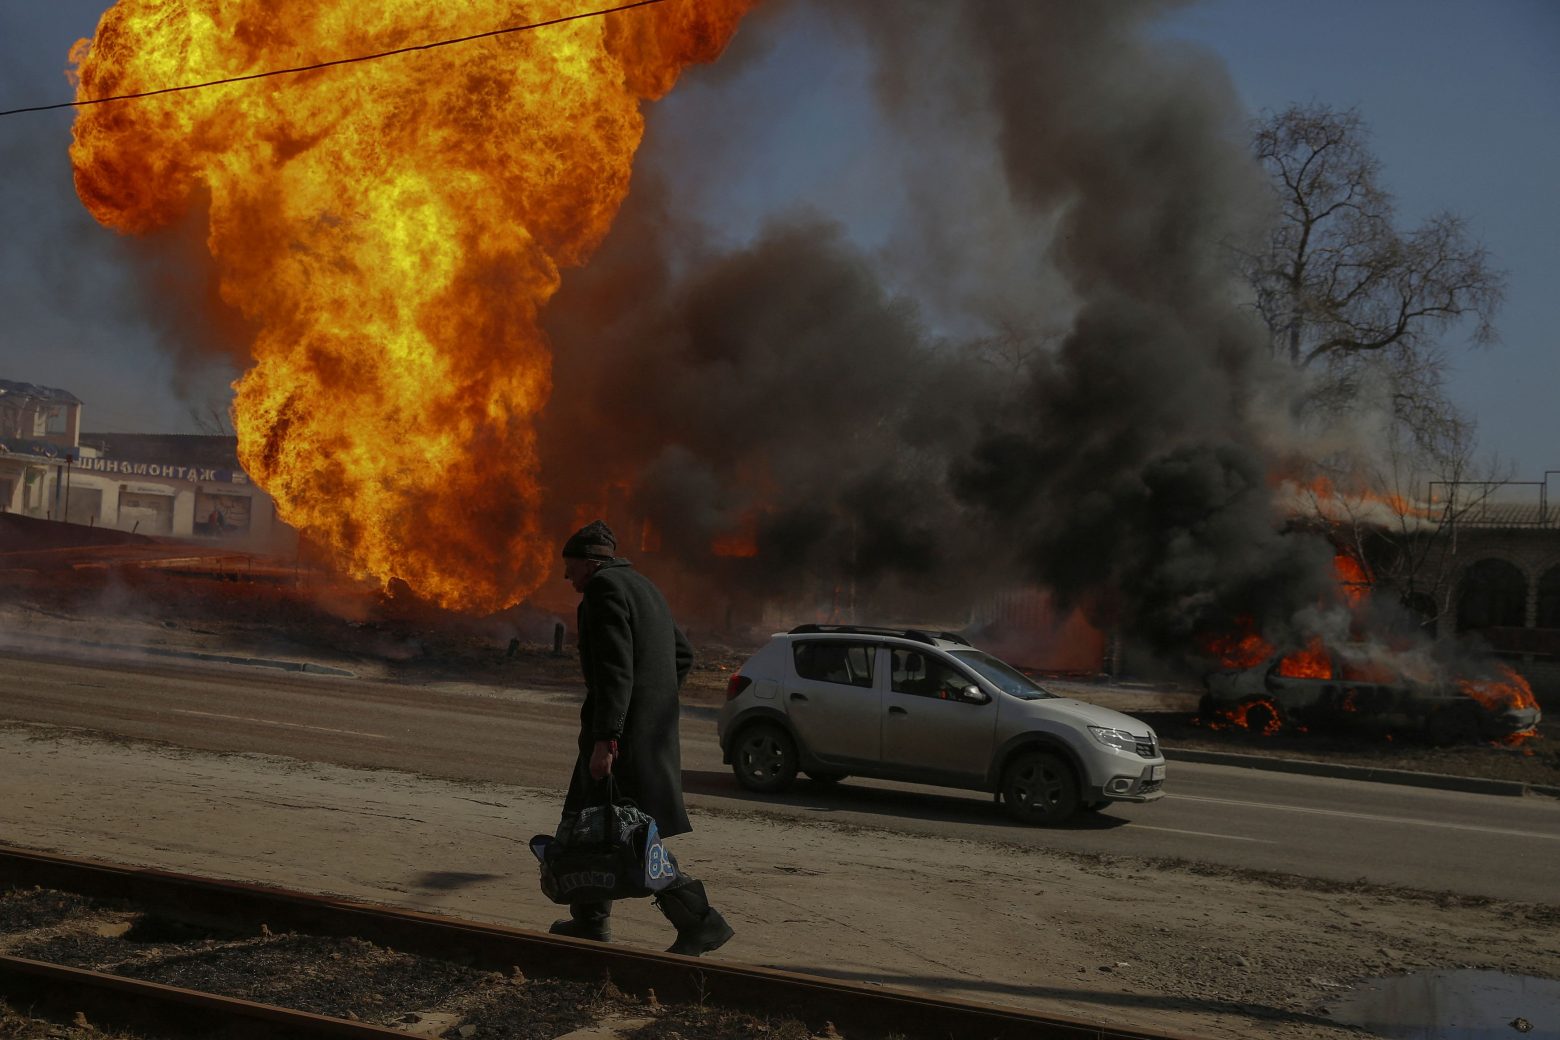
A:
{"x":172,"y":485}
{"x":39,"y":430}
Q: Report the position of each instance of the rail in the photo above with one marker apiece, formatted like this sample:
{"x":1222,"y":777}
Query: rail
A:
{"x":150,"y":1005}
{"x":852,"y":1007}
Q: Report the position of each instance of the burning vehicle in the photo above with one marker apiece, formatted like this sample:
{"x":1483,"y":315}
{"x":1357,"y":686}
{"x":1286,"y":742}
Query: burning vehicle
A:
{"x":1313,"y":688}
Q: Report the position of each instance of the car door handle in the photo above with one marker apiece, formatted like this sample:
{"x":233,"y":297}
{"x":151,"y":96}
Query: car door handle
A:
{"x":798,"y":696}
{"x":897,"y":711}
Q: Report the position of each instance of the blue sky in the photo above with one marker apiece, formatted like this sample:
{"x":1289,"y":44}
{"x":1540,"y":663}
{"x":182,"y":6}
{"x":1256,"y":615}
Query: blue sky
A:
{"x":1463,"y":100}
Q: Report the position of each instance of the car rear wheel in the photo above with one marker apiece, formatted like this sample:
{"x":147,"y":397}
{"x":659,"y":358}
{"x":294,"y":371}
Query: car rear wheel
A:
{"x":1262,"y":716}
{"x":1039,"y":787}
{"x":825,"y":778}
{"x":765,"y":758}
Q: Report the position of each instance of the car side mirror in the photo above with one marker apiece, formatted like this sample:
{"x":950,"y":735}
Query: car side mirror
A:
{"x":973,"y":694}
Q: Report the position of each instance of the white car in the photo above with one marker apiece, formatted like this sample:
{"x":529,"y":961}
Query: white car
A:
{"x":926,"y":707}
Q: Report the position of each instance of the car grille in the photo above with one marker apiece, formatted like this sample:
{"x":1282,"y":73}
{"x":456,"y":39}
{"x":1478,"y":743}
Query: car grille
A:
{"x":1150,"y":786}
{"x":1147,"y":749}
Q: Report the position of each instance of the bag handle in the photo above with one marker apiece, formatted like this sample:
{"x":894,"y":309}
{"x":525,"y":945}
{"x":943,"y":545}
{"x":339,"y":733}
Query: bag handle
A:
{"x":609,"y":791}
{"x":611,"y":794}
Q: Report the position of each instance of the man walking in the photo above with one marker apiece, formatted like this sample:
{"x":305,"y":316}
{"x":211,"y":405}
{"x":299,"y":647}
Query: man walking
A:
{"x":635,"y":659}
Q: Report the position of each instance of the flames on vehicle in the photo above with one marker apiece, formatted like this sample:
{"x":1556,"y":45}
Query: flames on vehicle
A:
{"x":1365,"y":682}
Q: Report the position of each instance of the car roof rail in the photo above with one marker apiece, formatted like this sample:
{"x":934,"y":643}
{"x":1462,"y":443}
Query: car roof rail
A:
{"x":919,"y":635}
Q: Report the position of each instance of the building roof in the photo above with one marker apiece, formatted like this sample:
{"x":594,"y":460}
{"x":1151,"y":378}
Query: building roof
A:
{"x":185,"y":448}
{"x":1541,"y":514}
{"x":49,"y":394}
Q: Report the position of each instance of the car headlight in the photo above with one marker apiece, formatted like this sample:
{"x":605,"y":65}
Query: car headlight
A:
{"x":1119,"y":739}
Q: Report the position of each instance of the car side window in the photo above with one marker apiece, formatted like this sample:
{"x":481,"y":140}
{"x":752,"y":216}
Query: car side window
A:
{"x":849,"y":664}
{"x":922,"y":675}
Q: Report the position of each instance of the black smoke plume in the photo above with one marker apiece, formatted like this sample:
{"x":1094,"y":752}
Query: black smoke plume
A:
{"x":1120,"y":462}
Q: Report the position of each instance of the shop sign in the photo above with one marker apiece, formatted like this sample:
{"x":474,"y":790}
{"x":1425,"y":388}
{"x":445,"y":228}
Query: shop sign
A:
{"x":168,"y":471}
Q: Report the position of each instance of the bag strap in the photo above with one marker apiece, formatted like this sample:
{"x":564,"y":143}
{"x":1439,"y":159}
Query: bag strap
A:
{"x":609,"y":791}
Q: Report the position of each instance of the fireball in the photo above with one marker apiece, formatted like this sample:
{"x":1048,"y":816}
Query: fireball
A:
{"x":392,"y":228}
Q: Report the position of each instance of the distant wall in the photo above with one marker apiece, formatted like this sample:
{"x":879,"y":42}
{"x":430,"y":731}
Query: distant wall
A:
{"x":20,"y":533}
{"x":1529,"y":640}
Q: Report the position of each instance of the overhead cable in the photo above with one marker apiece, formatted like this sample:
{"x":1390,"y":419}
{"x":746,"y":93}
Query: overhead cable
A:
{"x":338,"y":61}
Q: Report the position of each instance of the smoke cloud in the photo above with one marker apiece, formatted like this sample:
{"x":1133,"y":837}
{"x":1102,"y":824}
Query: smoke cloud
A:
{"x":1043,"y":376}
{"x":1075,"y":187}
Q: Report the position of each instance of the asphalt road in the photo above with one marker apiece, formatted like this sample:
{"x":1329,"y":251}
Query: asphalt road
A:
{"x":1440,"y":841}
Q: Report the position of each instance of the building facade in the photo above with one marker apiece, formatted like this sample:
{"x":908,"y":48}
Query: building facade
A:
{"x":39,"y":429}
{"x":1503,"y":567}
{"x":169,"y":485}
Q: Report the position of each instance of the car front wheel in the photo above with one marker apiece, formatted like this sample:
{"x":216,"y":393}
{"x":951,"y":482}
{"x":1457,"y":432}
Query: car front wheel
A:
{"x":1040,"y":788}
{"x":765,"y":759}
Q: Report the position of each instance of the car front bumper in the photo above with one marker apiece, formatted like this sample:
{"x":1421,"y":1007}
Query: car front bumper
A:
{"x":1141,"y":781}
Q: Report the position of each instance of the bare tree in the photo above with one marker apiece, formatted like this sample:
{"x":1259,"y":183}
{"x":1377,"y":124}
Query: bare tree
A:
{"x":211,"y":419}
{"x":1012,"y":349}
{"x":1346,"y":294}
{"x":1336,"y":277}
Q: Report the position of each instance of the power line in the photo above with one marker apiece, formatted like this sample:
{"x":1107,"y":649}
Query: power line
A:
{"x":337,"y":61}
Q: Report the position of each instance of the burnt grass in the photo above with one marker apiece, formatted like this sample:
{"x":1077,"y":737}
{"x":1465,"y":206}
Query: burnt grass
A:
{"x":340,"y":977}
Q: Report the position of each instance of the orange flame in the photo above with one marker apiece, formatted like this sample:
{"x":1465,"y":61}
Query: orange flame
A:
{"x":1243,"y":649}
{"x":1265,"y":710}
{"x":734,"y":545}
{"x":392,"y":228}
{"x":1353,"y":581}
{"x":1510,"y":691}
{"x":739,"y":543}
{"x":1313,"y":662}
{"x":1321,"y":495}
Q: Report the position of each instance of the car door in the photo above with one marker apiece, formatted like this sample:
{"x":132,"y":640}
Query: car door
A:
{"x":834,"y":700}
{"x":926,"y":726}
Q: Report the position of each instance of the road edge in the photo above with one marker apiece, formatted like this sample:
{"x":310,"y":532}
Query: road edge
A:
{"x":1307,"y":767}
{"x":152,"y":650}
{"x":1372,"y":774}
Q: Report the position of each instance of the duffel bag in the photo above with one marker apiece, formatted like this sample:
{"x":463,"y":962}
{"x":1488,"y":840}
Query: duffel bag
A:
{"x":611,"y":850}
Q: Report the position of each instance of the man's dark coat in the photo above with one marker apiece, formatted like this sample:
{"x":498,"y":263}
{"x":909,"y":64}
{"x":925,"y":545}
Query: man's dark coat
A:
{"x":634,"y":658}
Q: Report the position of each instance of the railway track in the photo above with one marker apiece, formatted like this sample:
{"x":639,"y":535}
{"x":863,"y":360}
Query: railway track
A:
{"x":176,"y":904}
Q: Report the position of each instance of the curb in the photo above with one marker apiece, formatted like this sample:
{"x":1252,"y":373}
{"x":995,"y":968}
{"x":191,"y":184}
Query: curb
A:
{"x":1373,"y":774}
{"x":308,"y":667}
{"x":255,"y":662}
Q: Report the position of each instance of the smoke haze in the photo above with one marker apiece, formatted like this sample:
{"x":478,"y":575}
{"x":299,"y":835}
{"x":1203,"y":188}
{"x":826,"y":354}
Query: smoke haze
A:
{"x":1100,"y":426}
{"x":1041,"y":374}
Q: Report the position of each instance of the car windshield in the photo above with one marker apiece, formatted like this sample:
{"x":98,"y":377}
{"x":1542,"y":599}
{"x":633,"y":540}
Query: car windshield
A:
{"x":1001,"y":674}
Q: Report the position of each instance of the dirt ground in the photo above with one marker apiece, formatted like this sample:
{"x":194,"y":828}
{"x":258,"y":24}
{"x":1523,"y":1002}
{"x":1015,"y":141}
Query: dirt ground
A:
{"x":1233,"y":954}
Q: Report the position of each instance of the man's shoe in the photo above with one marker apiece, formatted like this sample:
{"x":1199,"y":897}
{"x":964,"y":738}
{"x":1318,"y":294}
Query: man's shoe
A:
{"x":600,"y":931}
{"x":709,"y":934}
